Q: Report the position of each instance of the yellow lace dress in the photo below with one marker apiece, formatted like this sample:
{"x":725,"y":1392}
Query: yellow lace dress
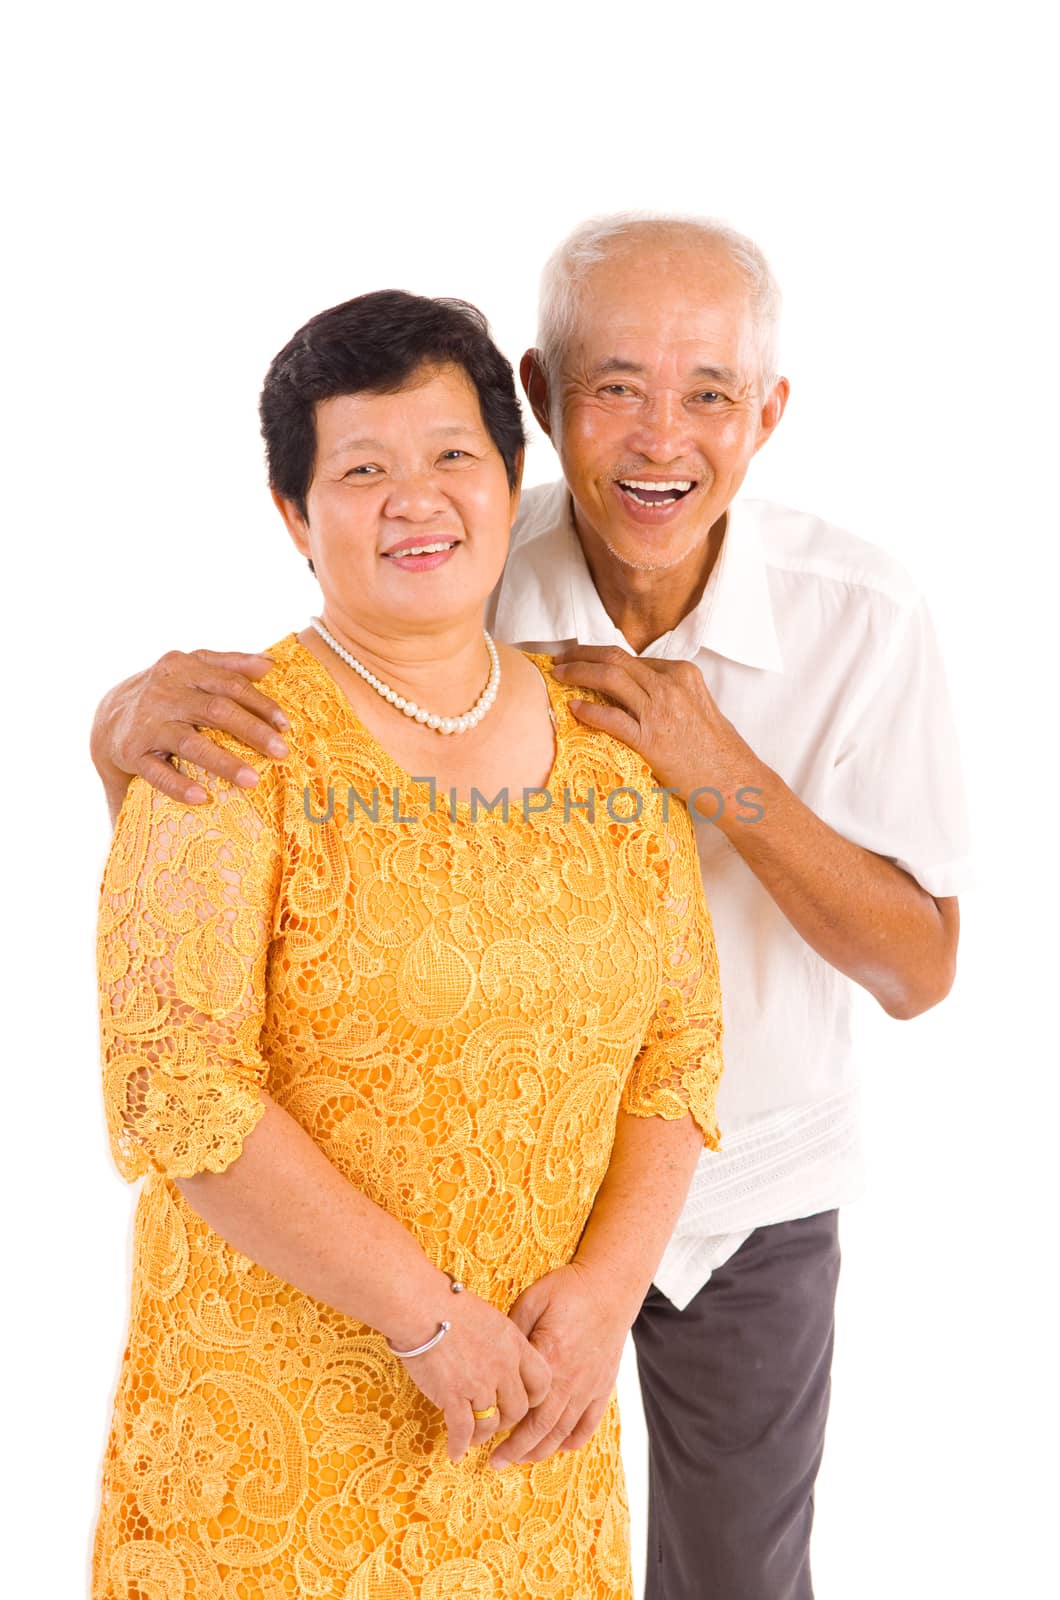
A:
{"x":455,"y":1008}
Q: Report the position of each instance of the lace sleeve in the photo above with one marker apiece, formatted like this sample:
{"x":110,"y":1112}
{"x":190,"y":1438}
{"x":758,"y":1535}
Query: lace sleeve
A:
{"x":185,"y":918}
{"x":680,"y":1063}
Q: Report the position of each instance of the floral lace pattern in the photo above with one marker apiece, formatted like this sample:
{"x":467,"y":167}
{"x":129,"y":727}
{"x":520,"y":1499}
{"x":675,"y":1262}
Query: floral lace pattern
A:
{"x":455,"y":1010}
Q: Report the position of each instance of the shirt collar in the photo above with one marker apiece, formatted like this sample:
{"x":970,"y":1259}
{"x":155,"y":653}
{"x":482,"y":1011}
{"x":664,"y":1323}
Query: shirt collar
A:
{"x":547,"y":592}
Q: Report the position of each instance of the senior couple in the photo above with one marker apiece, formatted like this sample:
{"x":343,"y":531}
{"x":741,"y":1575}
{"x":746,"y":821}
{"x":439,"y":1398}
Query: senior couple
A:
{"x":426,"y":1090}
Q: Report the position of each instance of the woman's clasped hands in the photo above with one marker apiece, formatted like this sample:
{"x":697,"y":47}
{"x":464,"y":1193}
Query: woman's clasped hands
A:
{"x":484,"y":1363}
{"x":549,"y":1368}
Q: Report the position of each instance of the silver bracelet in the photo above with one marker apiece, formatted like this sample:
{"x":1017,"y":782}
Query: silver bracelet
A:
{"x":443,"y":1329}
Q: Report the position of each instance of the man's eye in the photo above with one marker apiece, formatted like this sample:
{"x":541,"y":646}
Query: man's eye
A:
{"x":710,"y":394}
{"x":362,"y":471}
{"x":453,"y":455}
{"x":620,"y":389}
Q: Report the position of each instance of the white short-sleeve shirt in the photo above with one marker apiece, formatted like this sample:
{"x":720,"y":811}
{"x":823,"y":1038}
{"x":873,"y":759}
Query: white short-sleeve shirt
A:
{"x":819,"y":648}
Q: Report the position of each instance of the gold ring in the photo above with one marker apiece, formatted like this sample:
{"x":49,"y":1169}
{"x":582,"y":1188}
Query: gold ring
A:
{"x":481,"y":1416}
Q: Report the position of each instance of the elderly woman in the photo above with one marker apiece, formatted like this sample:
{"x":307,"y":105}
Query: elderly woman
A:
{"x":416,"y":1044}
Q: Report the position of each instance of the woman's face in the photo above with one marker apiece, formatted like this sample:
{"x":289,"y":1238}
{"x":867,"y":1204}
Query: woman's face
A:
{"x":403,"y":471}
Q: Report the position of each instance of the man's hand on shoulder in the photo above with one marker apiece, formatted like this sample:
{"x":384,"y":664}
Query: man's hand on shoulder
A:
{"x":155,"y":714}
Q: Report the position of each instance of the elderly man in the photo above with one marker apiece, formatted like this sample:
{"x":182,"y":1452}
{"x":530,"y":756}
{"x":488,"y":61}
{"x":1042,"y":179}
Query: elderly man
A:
{"x":782,"y":677}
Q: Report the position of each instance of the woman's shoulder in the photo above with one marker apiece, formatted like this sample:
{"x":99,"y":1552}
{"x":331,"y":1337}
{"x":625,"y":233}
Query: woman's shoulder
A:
{"x":280,"y":683}
{"x":317,"y":731}
{"x":594,"y":758}
{"x":558,"y":690}
{"x":561,"y":694}
{"x":311,"y":700}
{"x":293,"y":681}
{"x":330,"y":749}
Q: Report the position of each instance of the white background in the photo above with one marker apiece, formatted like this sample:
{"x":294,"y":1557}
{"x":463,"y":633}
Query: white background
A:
{"x":189,"y":184}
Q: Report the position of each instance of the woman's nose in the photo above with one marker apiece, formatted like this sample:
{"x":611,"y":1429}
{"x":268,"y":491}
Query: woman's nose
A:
{"x":415,"y":498}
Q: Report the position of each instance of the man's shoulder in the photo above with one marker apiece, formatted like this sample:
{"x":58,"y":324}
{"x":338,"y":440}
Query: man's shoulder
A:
{"x":530,"y":600}
{"x":804,"y":544}
{"x":542,"y":510}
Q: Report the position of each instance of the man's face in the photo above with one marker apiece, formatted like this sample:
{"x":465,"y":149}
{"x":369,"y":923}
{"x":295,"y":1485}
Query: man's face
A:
{"x":660,"y":406}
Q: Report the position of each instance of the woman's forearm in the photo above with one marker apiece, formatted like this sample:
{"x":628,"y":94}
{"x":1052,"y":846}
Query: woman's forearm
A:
{"x":637,"y":1205}
{"x":283,"y":1204}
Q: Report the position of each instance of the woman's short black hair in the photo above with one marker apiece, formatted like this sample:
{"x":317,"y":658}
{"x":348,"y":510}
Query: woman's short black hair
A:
{"x":373,"y":345}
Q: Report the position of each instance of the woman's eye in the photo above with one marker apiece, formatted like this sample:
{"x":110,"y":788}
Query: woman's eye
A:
{"x":453,"y":455}
{"x":362,"y":471}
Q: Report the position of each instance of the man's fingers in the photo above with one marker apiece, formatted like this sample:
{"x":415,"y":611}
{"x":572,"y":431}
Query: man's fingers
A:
{"x":598,"y":654}
{"x":233,"y":685}
{"x":217,"y":710}
{"x":160,"y":775}
{"x":609,"y":719}
{"x":612,"y":679}
{"x":252,"y":665}
{"x":190,"y":745}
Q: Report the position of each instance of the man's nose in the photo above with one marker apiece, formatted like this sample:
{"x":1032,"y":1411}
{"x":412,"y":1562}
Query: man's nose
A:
{"x":663,"y":432}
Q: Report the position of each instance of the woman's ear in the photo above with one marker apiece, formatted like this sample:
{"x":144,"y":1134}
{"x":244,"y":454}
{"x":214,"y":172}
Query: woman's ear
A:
{"x":296,"y":526}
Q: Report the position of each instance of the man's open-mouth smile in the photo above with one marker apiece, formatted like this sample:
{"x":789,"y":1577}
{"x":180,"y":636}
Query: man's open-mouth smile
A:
{"x":651,"y":493}
{"x":649,"y":499}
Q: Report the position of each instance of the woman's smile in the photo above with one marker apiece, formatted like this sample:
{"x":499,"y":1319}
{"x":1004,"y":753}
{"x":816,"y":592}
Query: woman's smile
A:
{"x":421,"y":555}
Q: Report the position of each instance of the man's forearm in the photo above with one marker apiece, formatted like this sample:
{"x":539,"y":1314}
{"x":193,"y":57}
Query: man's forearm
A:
{"x":637,"y":1206}
{"x":284,"y":1204}
{"x":859,"y":911}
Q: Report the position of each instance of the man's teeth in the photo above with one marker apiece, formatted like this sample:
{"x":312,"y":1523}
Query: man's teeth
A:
{"x":658,"y":493}
{"x":645,"y":483}
{"x":423,"y":549}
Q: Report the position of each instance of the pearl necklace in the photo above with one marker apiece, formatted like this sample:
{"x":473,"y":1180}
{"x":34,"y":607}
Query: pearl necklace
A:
{"x":470,"y":719}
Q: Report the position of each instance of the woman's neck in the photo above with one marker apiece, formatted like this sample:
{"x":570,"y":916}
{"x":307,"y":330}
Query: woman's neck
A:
{"x":443,"y":671}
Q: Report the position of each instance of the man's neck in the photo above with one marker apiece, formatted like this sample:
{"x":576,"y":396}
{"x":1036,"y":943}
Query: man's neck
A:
{"x":645,"y":604}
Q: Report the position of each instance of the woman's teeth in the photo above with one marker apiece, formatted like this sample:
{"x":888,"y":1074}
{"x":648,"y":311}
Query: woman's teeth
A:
{"x":655,"y":494}
{"x":423,"y":549}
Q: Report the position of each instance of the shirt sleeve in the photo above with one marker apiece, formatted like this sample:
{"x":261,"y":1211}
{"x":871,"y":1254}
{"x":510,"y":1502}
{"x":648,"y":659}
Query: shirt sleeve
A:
{"x":185,"y":920}
{"x":679,"y":1065}
{"x":896,"y":786}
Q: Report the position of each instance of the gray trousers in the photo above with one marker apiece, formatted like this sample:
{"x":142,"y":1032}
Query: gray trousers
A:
{"x":735,"y":1391}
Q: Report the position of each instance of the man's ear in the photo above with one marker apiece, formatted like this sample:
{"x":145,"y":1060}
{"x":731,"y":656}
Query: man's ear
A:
{"x":535,"y":386}
{"x":295,"y":524}
{"x":772,"y":411}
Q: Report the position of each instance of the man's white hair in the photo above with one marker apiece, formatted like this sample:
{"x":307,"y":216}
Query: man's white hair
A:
{"x":593,"y":241}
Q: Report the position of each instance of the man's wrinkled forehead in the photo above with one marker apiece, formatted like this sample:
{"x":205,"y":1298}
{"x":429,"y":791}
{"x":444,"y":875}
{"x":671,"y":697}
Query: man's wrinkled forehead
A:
{"x":692,"y":302}
{"x":696,"y":339}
